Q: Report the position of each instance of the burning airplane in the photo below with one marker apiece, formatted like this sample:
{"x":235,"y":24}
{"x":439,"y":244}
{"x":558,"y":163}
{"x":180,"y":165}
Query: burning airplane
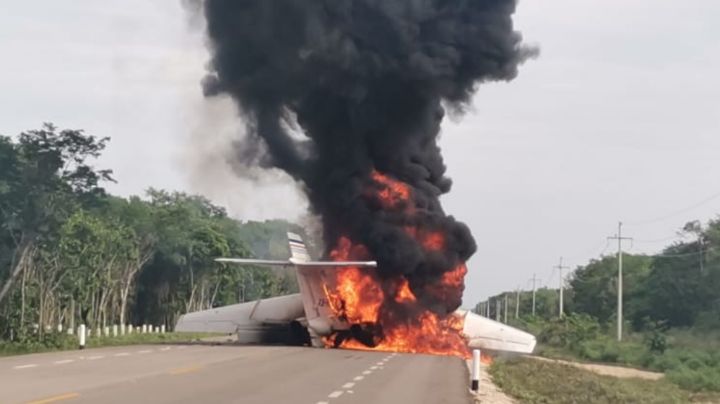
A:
{"x":347,"y":97}
{"x":342,"y":304}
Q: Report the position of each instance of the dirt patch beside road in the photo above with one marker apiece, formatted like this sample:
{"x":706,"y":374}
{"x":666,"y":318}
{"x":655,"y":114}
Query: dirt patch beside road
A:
{"x":608,"y":370}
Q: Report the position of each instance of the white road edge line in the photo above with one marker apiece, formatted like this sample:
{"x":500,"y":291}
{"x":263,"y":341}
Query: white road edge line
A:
{"x":322,"y":402}
{"x":335,"y":394}
{"x":93,"y":358}
{"x":348,"y":385}
{"x":122,"y":354}
{"x":64,"y":361}
{"x":32,"y":365}
{"x":144,"y":351}
{"x":358,"y":378}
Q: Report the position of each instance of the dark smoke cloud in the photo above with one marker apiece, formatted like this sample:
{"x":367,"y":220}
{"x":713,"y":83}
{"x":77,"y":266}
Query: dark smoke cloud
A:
{"x":366,"y":81}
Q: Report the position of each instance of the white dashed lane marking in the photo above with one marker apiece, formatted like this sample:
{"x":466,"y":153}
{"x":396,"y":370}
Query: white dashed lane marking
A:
{"x":32,"y":365}
{"x":90,"y":358}
{"x":347,"y":386}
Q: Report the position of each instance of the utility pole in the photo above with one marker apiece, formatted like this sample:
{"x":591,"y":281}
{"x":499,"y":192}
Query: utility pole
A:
{"x":534,"y":282}
{"x":517,"y":303}
{"x":619,"y":239}
{"x":505,"y":308}
{"x":560,"y":267}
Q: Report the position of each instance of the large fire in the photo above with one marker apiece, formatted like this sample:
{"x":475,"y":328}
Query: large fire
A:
{"x":386,"y":311}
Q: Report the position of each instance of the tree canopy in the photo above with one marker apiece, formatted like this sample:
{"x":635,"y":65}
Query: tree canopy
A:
{"x":71,"y":253}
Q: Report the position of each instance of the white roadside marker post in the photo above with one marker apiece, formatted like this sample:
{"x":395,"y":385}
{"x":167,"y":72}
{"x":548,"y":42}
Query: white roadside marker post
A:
{"x":81,"y":336}
{"x":475,"y":371}
{"x":106,"y":331}
{"x":115,"y":330}
{"x":122,"y":329}
{"x":162,"y":329}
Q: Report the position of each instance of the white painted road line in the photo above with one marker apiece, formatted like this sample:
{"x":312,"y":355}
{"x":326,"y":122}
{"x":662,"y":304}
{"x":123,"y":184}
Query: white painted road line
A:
{"x":358,"y":378}
{"x":62,"y":362}
{"x":144,"y":351}
{"x":348,"y":385}
{"x":373,"y":367}
{"x":322,"y":402}
{"x":94,"y":358}
{"x":167,"y":348}
{"x":122,"y":354}
{"x":366,"y":372}
{"x":32,"y":365}
{"x":335,"y":394}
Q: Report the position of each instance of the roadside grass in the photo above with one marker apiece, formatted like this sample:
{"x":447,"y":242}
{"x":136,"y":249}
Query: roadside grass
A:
{"x":691,"y":360}
{"x":533,"y":381}
{"x":62,"y":342}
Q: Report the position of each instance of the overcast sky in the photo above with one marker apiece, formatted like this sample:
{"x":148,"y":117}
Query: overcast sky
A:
{"x":618,"y":119}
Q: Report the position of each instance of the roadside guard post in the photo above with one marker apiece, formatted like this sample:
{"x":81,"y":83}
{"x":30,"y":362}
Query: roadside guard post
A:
{"x":475,"y":371}
{"x":81,"y":336}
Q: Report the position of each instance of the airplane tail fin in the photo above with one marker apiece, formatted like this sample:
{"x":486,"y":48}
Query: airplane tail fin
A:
{"x":298,"y":251}
{"x":313,"y":278}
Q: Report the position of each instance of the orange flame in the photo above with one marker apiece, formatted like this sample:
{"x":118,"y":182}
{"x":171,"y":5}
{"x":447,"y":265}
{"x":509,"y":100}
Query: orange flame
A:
{"x":391,"y":193}
{"x":358,"y":298}
{"x":388,"y":308}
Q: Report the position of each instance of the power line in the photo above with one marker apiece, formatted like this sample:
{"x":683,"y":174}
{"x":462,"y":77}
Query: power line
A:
{"x":660,"y":240}
{"x":675,"y":213}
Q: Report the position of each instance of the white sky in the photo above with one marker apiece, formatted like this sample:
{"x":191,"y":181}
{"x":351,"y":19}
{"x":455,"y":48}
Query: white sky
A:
{"x":617,"y":120}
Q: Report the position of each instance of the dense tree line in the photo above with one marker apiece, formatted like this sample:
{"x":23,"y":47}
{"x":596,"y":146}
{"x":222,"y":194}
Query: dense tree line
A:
{"x":679,"y":287}
{"x":71,"y":253}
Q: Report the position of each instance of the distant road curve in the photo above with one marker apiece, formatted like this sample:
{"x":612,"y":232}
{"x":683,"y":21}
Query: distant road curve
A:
{"x":231,"y":374}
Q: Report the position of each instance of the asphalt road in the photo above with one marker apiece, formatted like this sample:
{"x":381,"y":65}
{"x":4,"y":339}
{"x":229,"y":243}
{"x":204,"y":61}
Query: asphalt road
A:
{"x":231,"y":374}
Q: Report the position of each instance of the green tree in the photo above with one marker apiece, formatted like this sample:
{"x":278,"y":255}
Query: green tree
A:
{"x":595,"y":286}
{"x":44,"y":177}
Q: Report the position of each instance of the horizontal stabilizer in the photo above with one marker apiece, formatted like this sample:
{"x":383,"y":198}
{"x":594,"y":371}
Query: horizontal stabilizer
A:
{"x":249,"y":261}
{"x":292,"y":262}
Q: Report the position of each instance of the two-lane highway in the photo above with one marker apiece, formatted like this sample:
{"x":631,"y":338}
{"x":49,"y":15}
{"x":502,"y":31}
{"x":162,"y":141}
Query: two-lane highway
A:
{"x":231,"y":374}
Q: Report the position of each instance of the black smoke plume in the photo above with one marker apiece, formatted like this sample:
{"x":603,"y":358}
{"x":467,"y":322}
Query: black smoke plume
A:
{"x":366,"y":83}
